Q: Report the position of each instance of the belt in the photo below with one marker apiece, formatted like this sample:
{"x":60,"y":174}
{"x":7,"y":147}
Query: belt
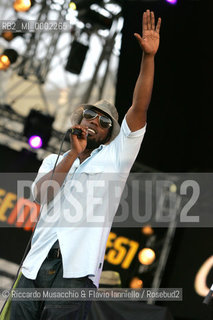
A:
{"x":54,"y":253}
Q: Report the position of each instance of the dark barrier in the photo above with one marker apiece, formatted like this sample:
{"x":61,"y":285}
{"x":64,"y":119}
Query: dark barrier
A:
{"x":127,"y":310}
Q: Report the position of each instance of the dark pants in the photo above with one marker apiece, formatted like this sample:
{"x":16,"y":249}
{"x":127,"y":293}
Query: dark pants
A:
{"x":50,"y":275}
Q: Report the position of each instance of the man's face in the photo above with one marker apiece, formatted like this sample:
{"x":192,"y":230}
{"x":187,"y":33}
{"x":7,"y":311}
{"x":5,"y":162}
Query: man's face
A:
{"x":96,"y":134}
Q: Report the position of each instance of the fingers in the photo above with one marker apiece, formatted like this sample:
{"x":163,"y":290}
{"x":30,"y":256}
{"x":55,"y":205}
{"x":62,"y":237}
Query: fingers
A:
{"x":158,"y":25}
{"x":149,"y":21}
{"x":144,"y":22}
{"x":137,"y":36}
{"x":152,"y":20}
{"x":84,"y":131}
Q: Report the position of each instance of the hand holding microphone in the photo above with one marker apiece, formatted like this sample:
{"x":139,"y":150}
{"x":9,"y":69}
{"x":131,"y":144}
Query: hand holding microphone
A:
{"x":78,"y":138}
{"x":75,"y":131}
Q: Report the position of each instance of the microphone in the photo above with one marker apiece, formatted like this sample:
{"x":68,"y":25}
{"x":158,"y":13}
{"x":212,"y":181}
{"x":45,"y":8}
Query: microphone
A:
{"x":75,"y":131}
{"x":209,"y":296}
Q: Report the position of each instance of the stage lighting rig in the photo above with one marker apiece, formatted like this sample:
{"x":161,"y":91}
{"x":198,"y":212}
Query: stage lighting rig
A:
{"x":36,"y":62}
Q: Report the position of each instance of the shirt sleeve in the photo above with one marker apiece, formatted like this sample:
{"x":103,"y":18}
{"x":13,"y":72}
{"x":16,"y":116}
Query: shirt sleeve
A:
{"x":46,"y":166}
{"x":128,"y":133}
{"x":125,"y":147}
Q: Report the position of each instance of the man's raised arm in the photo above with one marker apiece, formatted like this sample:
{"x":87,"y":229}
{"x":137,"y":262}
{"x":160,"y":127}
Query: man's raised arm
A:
{"x":149,"y":42}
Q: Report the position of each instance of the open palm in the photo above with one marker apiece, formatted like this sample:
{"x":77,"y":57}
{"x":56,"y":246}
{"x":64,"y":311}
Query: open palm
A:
{"x":150,"y":39}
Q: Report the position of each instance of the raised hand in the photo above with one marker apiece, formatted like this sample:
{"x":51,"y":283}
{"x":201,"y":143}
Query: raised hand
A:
{"x":150,"y":39}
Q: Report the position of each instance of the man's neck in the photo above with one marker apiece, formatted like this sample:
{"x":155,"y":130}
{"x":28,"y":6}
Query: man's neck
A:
{"x":84,"y":155}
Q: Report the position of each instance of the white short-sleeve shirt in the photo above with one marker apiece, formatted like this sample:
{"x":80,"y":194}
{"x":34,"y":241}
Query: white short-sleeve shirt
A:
{"x":81,"y":215}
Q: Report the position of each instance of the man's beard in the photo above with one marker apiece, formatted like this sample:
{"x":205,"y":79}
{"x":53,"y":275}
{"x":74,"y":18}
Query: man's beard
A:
{"x":93,"y":144}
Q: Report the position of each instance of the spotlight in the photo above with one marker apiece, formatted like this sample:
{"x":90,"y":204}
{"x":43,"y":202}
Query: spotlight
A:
{"x":9,"y":35}
{"x":11,"y":54}
{"x":4,"y":62}
{"x":146,"y":256}
{"x":38,"y":128}
{"x":171,"y":1}
{"x":76,"y":57}
{"x":136,"y":283}
{"x":22,"y":5}
{"x":72,"y":5}
{"x":8,"y":57}
{"x":35,"y":142}
{"x":147,"y":230}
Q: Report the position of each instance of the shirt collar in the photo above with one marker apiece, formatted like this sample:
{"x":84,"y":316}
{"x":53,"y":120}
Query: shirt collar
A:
{"x":93,"y":152}
{"x":98,"y":149}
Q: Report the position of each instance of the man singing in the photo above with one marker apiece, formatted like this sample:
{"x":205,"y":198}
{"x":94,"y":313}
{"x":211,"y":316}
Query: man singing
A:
{"x":65,"y":252}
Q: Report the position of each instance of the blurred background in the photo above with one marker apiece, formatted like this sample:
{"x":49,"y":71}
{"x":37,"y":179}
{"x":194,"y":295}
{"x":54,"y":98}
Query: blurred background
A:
{"x":57,"y":54}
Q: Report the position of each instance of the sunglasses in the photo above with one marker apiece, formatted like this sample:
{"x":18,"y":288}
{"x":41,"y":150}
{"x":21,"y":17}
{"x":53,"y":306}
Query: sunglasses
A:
{"x":105,"y":122}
